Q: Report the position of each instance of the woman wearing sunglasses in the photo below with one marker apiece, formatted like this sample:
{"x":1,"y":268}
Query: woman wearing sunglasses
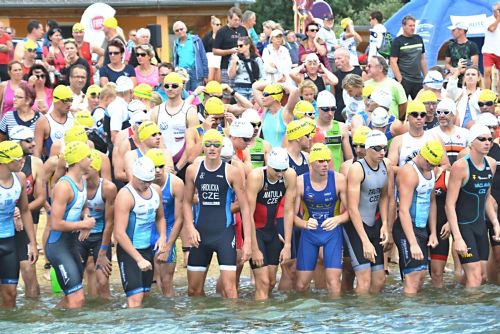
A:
{"x":116,"y":68}
{"x":7,"y":88}
{"x":245,"y":67}
{"x":146,"y":72}
{"x":39,"y":79}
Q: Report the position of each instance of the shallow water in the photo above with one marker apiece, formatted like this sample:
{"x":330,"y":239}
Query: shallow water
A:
{"x":451,"y":309}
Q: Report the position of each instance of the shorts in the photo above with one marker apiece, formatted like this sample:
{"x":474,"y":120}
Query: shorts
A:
{"x":4,"y":72}
{"x":91,"y":247}
{"x":490,"y":59}
{"x":213,"y":60}
{"x":134,"y":280}
{"x":9,"y":264}
{"x":311,"y":241}
{"x":475,"y":236}
{"x":66,"y":261}
{"x":493,"y":243}
{"x":355,"y":246}
{"x":411,"y":88}
{"x":21,"y":240}
{"x":441,"y":251}
{"x":280,"y":226}
{"x":407,"y":264}
{"x":225,"y":247}
{"x":270,"y":246}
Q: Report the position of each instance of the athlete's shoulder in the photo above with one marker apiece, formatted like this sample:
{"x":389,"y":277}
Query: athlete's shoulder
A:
{"x":109,"y":188}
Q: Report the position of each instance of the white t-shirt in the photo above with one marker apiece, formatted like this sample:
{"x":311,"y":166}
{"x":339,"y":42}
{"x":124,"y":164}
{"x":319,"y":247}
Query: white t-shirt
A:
{"x":376,"y":39}
{"x":328,"y":36}
{"x":491,"y":39}
{"x":351,"y":45}
{"x":118,"y":113}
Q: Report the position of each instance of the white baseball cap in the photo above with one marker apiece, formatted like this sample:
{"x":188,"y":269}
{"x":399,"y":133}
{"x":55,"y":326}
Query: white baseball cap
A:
{"x":447,"y":104}
{"x":459,"y":25}
{"x":380,"y":117}
{"x":241,"y":128}
{"x":375,"y":138}
{"x":124,"y":84}
{"x":382,"y":97}
{"x":144,"y":169}
{"x":20,"y":132}
{"x":477,"y":130}
{"x":278,"y":158}
{"x":434,"y":80}
{"x":325,"y":99}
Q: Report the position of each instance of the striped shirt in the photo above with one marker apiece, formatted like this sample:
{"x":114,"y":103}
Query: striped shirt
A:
{"x":12,"y":119}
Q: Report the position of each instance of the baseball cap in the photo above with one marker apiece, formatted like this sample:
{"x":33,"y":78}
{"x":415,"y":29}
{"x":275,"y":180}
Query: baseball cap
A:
{"x":213,"y":87}
{"x":75,"y":133}
{"x":78,"y":27}
{"x":84,"y":118}
{"x":241,"y":128}
{"x":427,"y":95}
{"x":213,"y":135}
{"x":75,"y":152}
{"x":302,"y":108}
{"x":487,"y":95}
{"x":434,"y":80}
{"x":319,"y":151}
{"x":447,"y":104}
{"x":328,"y":16}
{"x":251,"y":115}
{"x":93,"y":89}
{"x":124,"y":84}
{"x":459,"y":25}
{"x":144,"y":169}
{"x":62,"y":92}
{"x":157,"y":156}
{"x":375,"y":138}
{"x":433,"y":151}
{"x":173,"y":78}
{"x":487,"y":119}
{"x":20,"y":132}
{"x":359,"y":136}
{"x":214,"y":106}
{"x":311,"y":57}
{"x":325,"y":99}
{"x":382,"y":97}
{"x":380,"y":117}
{"x":297,"y":129}
{"x":276,"y":32}
{"x":10,"y":151}
{"x":278,"y":158}
{"x":147,"y":129}
{"x":96,"y":160}
{"x":110,"y":22}
{"x":143,"y":91}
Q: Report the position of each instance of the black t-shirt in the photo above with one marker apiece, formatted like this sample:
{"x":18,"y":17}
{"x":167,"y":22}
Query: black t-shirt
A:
{"x":227,"y":38}
{"x":208,"y":41}
{"x":338,"y":90}
{"x":409,"y":51}
{"x":66,"y":70}
{"x":458,"y":51}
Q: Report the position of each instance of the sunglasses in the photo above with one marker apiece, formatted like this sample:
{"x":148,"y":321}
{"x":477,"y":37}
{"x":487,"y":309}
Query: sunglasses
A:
{"x":241,"y":45}
{"x":443,"y":112}
{"x":246,"y":140}
{"x":70,"y":100}
{"x":217,"y":144}
{"x":31,"y":50}
{"x":28,"y":140}
{"x":114,"y":53}
{"x":94,"y":95}
{"x":141,"y":54}
{"x":160,"y":166}
{"x":359,"y":145}
{"x":266,"y":94}
{"x":483,"y":139}
{"x":313,"y":30}
{"x":256,"y":125}
{"x":418,"y":114}
{"x":322,"y":161}
{"x":156,"y":134}
{"x":81,"y":30}
{"x":40,"y":76}
{"x":486,"y":104}
{"x":171,"y":86}
{"x":309,"y":114}
{"x":327,"y":109}
{"x":280,"y":170}
{"x":379,"y":148}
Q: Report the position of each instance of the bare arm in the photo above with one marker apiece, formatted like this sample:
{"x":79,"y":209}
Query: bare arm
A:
{"x":239,"y":188}
{"x":27,"y":219}
{"x":109,"y":198}
{"x":354,"y":178}
{"x":178,"y":192}
{"x":407,"y":181}
{"x":61,"y":197}
{"x":458,"y":174}
{"x":39,"y":189}
{"x":41,"y":129}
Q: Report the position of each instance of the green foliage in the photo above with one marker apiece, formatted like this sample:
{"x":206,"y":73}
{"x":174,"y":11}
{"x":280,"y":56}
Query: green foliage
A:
{"x":280,"y":11}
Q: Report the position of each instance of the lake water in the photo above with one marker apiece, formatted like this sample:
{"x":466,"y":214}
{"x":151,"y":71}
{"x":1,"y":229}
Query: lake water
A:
{"x":451,"y":309}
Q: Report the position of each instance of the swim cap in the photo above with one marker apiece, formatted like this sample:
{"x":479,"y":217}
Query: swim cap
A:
{"x":84,"y":118}
{"x":367,"y":91}
{"x":144,"y":169}
{"x":251,"y":115}
{"x":434,"y":80}
{"x":143,"y":91}
{"x":78,"y":27}
{"x":212,"y":135}
{"x":427,"y":95}
{"x":447,"y":104}
{"x":173,"y":78}
{"x":76,"y":133}
{"x":29,"y":44}
{"x":375,"y":138}
{"x":110,"y":22}
{"x":75,"y":152}
{"x":345,"y":22}
{"x":360,"y":134}
{"x":278,"y":158}
{"x":227,"y":151}
{"x":10,"y":151}
{"x":96,"y":160}
{"x":62,"y":92}
{"x":415,"y":106}
{"x":487,"y":95}
{"x":477,"y":130}
{"x":319,"y":152}
{"x":274,"y":90}
{"x":241,"y":128}
{"x":213,"y":87}
{"x":214,"y":106}
{"x":147,"y":129}
{"x":157,"y":156}
{"x":93,"y":89}
{"x":297,"y":129}
{"x":433,"y":152}
{"x":302,"y":108}
{"x":325,"y":99}
{"x":20,"y":132}
{"x":382,"y":97}
{"x":487,"y":119}
{"x":380,"y":117}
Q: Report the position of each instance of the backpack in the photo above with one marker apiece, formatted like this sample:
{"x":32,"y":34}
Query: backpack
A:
{"x":385,"y":47}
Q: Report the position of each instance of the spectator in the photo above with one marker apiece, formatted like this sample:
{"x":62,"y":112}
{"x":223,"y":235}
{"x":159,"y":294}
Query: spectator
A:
{"x":349,"y":40}
{"x":110,"y":28}
{"x":248,"y":21}
{"x":131,"y":43}
{"x":293,"y":46}
{"x":312,"y":69}
{"x":38,"y":77}
{"x":344,"y":67}
{"x":408,"y":58}
{"x":491,"y":47}
{"x":245,"y":68}
{"x":312,"y":44}
{"x":208,"y":41}
{"x":7,"y":88}
{"x":78,"y":76}
{"x":6,"y":48}
{"x":71,"y":59}
{"x":276,"y":58}
{"x":434,"y":81}
{"x":146,"y":72}
{"x":144,"y":37}
{"x":267,"y":28}
{"x":377,"y":34}
{"x":23,"y":114}
{"x":327,"y":34}
{"x":189,"y":53}
{"x":308,"y":92}
{"x":51,"y":24}
{"x":35,"y":32}
{"x":53,"y":55}
{"x":226,"y":40}
{"x":115,"y":69}
{"x":460,"y":50}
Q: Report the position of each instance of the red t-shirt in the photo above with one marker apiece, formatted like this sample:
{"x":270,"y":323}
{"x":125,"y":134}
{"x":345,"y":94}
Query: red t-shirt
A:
{"x":4,"y":56}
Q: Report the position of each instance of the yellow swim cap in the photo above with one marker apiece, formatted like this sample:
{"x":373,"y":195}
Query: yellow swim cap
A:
{"x":93,"y":89}
{"x":29,"y":44}
{"x":427,"y":95}
{"x":214,"y":106}
{"x":213,"y":87}
{"x":78,"y":27}
{"x":10,"y":151}
{"x":174,"y":78}
{"x":274,"y":90}
{"x":360,"y":134}
{"x":110,"y":22}
{"x":297,"y":129}
{"x":157,"y":156}
{"x":212,"y":135}
{"x":345,"y":22}
{"x":62,"y":92}
{"x":487,"y":95}
{"x":311,"y":124}
{"x":75,"y":152}
{"x":368,"y":90}
{"x":319,"y":151}
{"x":415,"y":106}
{"x":147,"y":129}
{"x":143,"y":91}
{"x":433,"y":152}
{"x":84,"y":118}
{"x":76,"y":133}
{"x":96,"y":162}
{"x":302,"y":108}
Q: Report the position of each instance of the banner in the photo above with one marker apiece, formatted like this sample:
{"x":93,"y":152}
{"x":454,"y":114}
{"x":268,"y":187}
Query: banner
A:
{"x":92,"y":19}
